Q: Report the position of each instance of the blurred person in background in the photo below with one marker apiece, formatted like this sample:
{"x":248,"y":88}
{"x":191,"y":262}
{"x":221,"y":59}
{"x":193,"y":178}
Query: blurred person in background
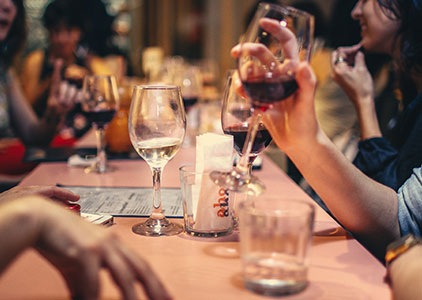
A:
{"x":335,"y":112}
{"x":389,"y":28}
{"x":19,"y":124}
{"x":68,"y":31}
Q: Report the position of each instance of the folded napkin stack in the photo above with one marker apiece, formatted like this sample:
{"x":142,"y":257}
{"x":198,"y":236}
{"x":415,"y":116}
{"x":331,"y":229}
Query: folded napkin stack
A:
{"x":211,"y":202}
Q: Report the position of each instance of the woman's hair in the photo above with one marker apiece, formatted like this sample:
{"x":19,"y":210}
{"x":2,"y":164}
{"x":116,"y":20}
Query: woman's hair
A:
{"x":61,"y":12}
{"x":15,"y":40}
{"x":409,"y":38}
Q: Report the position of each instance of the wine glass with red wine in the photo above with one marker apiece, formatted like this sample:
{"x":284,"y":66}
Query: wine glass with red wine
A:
{"x":277,"y":40}
{"x":190,"y":82}
{"x":100,"y":101}
{"x":236,"y":117}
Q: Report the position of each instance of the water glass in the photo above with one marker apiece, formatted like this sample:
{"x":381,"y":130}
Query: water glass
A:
{"x":275,"y":235}
{"x":206,"y":208}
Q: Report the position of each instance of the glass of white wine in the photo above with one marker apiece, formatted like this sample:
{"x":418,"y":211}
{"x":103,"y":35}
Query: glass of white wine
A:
{"x":157,"y":127}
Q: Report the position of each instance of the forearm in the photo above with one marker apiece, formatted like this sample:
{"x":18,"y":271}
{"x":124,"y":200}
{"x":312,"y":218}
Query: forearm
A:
{"x":365,"y":207}
{"x":368,"y":121}
{"x":30,"y":129}
{"x":19,"y":228}
{"x":405,"y":275}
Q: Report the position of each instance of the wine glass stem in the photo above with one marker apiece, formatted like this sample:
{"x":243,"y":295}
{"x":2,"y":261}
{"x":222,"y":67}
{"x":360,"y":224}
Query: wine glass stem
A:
{"x":101,"y":154}
{"x":250,"y":164}
{"x":157,"y":211}
{"x":243,"y":164}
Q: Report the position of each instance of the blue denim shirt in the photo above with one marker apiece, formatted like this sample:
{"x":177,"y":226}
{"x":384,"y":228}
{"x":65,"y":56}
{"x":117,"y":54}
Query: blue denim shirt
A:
{"x":378,"y":159}
{"x":410,"y":204}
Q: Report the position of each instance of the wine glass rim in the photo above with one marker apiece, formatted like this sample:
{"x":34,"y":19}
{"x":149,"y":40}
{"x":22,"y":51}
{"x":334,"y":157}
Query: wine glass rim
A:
{"x":290,"y":9}
{"x":99,"y":76}
{"x":156,"y":87}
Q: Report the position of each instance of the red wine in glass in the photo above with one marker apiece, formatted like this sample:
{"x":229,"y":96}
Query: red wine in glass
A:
{"x":188,"y":102}
{"x":100,"y":118}
{"x":239,"y":132}
{"x":263,"y":94}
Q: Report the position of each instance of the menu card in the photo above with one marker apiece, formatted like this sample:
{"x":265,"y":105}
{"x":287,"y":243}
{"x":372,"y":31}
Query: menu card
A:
{"x":126,"y":201}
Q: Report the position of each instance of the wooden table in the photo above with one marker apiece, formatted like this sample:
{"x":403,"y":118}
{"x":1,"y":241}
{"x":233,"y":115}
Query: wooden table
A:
{"x":200,"y":268}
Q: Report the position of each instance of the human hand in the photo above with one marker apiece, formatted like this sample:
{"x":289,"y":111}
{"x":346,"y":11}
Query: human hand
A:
{"x":53,"y":192}
{"x":63,"y":94}
{"x":270,"y":68}
{"x":293,"y":122}
{"x":79,"y":250}
{"x":350,"y":72}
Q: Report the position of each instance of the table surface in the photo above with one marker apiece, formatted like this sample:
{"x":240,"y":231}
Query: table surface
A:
{"x":201,"y":268}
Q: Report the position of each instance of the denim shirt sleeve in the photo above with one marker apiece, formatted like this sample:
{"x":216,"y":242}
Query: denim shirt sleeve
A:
{"x":410,"y":204}
{"x":377,"y":158}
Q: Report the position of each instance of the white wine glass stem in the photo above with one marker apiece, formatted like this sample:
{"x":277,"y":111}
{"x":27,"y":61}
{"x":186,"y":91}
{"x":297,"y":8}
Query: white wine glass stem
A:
{"x":157,"y":211}
{"x":101,"y":154}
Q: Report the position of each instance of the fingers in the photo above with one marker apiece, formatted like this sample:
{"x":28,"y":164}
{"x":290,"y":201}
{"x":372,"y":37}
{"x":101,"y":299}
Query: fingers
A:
{"x":151,"y":283}
{"x":345,"y":55}
{"x":360,"y":60}
{"x":67,"y":94}
{"x":120,"y":271}
{"x":306,"y":81}
{"x":56,"y":78}
{"x":259,"y":51}
{"x":283,"y":34}
{"x":85,"y":284}
{"x":58,"y":193}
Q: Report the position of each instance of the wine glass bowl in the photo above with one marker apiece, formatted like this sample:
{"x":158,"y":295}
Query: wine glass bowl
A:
{"x":100,"y":101}
{"x":236,"y":117}
{"x":277,"y":40}
{"x":157,"y":127}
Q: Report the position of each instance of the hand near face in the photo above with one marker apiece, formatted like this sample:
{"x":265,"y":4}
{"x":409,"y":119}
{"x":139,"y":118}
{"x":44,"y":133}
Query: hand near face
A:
{"x":352,"y":74}
{"x":63,"y":95}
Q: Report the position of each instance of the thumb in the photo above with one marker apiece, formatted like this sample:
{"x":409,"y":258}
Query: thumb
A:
{"x":306,"y":81}
{"x":360,"y":60}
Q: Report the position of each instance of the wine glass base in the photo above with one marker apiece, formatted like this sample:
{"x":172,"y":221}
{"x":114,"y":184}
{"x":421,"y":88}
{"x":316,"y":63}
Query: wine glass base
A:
{"x":242,"y":183}
{"x":157,"y":227}
{"x":95,"y":169}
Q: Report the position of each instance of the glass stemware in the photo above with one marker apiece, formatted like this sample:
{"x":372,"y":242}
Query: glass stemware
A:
{"x":100,"y":101}
{"x":157,"y":127}
{"x":277,"y":40}
{"x":236,"y":117}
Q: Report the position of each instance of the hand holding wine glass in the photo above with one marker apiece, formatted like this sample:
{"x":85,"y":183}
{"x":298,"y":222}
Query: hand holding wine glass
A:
{"x":277,"y":40}
{"x":157,"y":127}
{"x":100,"y":101}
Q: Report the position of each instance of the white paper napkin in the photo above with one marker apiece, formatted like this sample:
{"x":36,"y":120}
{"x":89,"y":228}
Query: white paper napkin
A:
{"x":213,"y":152}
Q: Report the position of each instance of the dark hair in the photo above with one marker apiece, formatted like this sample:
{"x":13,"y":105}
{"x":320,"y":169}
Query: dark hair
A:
{"x":61,"y":12}
{"x":98,"y":30}
{"x":15,"y":40}
{"x":409,"y":37}
{"x":314,"y":9}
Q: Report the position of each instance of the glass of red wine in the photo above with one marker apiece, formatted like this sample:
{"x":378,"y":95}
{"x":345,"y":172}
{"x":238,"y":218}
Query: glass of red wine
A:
{"x":276,"y":41}
{"x":100,"y":101}
{"x":190,"y":82}
{"x":236,"y":117}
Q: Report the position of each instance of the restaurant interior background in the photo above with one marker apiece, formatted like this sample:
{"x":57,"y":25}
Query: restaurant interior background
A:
{"x":193,"y":29}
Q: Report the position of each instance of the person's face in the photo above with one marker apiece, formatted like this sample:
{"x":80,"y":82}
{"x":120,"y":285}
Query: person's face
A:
{"x":377,"y":29}
{"x":64,"y":40}
{"x":8,"y":13}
